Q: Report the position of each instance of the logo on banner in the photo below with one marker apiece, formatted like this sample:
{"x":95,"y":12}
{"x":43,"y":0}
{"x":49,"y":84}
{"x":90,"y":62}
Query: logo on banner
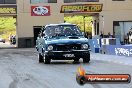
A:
{"x":81,"y":8}
{"x":8,"y":9}
{"x":40,"y":11}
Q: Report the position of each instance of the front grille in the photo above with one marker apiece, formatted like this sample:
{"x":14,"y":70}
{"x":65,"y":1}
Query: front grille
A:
{"x":68,"y":47}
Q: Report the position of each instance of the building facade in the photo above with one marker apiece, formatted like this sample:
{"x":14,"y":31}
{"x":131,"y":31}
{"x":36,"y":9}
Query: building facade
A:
{"x":115,"y":16}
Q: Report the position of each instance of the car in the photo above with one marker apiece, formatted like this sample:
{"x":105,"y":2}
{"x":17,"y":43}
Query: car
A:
{"x":2,"y":40}
{"x":62,"y":41}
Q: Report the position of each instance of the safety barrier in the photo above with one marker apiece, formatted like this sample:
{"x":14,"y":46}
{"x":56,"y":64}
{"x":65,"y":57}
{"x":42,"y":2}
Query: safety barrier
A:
{"x":121,"y":50}
{"x":94,"y":45}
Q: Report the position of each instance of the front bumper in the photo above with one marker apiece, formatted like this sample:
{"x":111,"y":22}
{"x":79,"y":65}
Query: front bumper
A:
{"x":67,"y":55}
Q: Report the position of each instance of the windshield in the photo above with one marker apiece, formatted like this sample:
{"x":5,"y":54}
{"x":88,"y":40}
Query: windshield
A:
{"x":62,"y":30}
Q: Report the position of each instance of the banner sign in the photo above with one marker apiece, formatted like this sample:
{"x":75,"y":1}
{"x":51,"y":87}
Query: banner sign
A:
{"x":8,"y":9}
{"x":69,"y":1}
{"x":121,"y":50}
{"x":89,"y":0}
{"x":81,"y":8}
{"x":85,"y":78}
{"x":40,"y":10}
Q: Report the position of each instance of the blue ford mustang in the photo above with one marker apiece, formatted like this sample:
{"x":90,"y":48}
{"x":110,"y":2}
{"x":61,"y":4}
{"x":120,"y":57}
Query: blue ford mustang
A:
{"x":62,"y":42}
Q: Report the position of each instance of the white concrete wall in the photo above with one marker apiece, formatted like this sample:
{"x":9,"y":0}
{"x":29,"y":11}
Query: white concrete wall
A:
{"x":112,"y":11}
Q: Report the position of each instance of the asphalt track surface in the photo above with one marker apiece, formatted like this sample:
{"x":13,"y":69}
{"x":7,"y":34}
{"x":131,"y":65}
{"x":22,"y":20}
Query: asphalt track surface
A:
{"x":19,"y":68}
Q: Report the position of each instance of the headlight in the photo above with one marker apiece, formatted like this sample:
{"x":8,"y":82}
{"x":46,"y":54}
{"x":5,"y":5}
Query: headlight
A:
{"x":50,"y":47}
{"x":84,"y":46}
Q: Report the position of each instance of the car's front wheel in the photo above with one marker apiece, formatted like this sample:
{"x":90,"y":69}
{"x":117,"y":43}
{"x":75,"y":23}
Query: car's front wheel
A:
{"x":86,"y":59}
{"x":76,"y":60}
{"x":47,"y":60}
{"x":41,"y":59}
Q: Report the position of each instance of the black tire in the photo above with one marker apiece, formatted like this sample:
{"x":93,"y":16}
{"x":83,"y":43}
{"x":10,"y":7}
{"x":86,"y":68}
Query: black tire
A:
{"x":41,"y":58}
{"x":76,"y":60}
{"x":47,"y":60}
{"x":86,"y":59}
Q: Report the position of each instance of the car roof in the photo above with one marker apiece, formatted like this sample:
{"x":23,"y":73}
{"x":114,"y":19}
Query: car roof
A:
{"x":60,"y":24}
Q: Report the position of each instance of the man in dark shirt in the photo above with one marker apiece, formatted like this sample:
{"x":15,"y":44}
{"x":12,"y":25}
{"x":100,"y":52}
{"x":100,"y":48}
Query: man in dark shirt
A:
{"x":101,"y":36}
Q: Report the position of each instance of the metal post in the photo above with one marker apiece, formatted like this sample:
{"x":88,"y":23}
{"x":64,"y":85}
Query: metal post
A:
{"x":102,"y":24}
{"x":84,"y":23}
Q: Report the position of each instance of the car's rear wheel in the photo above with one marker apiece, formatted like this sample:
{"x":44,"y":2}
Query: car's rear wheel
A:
{"x":47,"y":60}
{"x":86,"y":59}
{"x":41,"y":59}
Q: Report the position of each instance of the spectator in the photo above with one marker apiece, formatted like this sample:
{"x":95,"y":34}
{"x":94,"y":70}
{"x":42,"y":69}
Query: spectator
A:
{"x":126,"y":39}
{"x":86,"y":35}
{"x":10,"y":39}
{"x":113,"y":35}
{"x":14,"y":40}
{"x":109,"y":35}
{"x":130,"y":37}
{"x":101,"y":36}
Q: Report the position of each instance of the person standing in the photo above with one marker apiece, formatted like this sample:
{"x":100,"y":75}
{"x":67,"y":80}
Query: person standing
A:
{"x":126,"y":38}
{"x":130,"y":34}
{"x":109,"y":35}
{"x":10,"y":39}
{"x":101,"y":36}
{"x":130,"y":37}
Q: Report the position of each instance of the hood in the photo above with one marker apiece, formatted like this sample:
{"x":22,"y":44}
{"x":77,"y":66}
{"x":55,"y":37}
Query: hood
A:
{"x":67,"y":41}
